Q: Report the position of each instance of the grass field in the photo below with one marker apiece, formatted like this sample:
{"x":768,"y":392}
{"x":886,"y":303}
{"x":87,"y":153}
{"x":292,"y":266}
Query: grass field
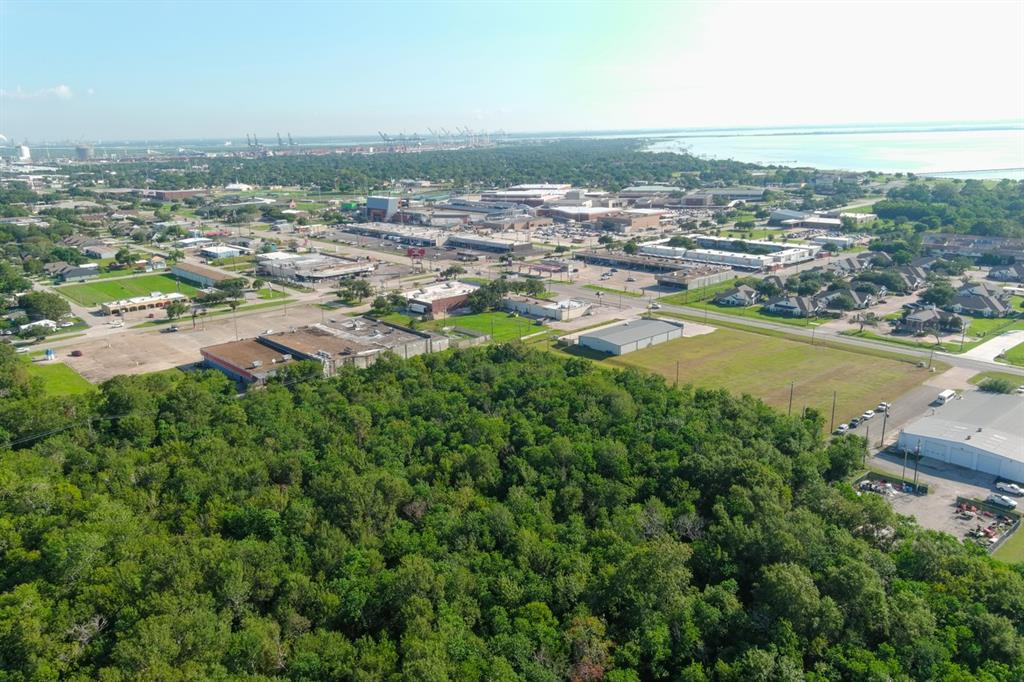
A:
{"x":59,"y":379}
{"x":270,"y":294}
{"x":501,"y":326}
{"x":94,"y":293}
{"x":763,"y":366}
{"x":754,"y":312}
{"x":1012,"y":551}
{"x":692,"y":296}
{"x":978,"y":378}
{"x":1015,"y":356}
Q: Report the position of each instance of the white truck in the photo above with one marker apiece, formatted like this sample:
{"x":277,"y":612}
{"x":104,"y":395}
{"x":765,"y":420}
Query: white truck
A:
{"x":945,"y":396}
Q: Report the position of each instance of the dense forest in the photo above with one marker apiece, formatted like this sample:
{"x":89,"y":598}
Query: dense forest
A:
{"x":610,"y":164}
{"x":971,"y":207}
{"x":493,"y":514}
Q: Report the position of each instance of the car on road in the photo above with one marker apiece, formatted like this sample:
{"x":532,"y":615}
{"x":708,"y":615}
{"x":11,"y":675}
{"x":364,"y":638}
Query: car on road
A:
{"x":169,"y":330}
{"x":883,"y":407}
{"x":868,"y":414}
{"x":1011,"y":488}
{"x":1001,"y":501}
{"x":841,"y":429}
{"x":631,"y":279}
{"x":855,"y":422}
{"x":76,"y":353}
{"x":655,"y":306}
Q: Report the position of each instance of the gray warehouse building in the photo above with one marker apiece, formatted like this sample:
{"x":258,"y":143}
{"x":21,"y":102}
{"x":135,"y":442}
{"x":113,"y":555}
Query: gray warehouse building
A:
{"x":980,"y":431}
{"x":631,"y":336}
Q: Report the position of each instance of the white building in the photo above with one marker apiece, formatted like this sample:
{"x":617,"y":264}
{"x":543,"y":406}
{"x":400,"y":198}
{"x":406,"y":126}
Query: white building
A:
{"x":631,"y":336}
{"x":566,"y":309}
{"x":980,"y":431}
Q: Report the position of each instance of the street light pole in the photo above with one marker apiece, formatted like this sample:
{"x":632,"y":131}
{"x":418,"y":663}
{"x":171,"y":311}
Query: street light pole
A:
{"x":832,"y":423}
{"x":885,"y":418}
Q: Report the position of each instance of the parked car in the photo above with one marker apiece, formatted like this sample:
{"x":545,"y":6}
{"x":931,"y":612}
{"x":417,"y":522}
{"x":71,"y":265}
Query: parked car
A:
{"x":868,"y":414}
{"x":631,"y":279}
{"x":76,"y":353}
{"x":883,"y":407}
{"x":841,"y":429}
{"x":1001,"y":501}
{"x":1011,"y":488}
{"x":855,"y":422}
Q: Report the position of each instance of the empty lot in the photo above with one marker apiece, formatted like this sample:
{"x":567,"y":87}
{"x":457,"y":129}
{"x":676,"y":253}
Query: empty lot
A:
{"x":94,"y":293}
{"x":764,"y":366}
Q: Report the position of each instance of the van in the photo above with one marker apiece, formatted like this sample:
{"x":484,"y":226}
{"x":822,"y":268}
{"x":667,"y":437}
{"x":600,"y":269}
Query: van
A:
{"x":945,"y":396}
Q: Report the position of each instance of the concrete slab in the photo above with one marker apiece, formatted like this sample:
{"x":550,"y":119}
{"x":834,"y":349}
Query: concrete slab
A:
{"x":996,"y":346}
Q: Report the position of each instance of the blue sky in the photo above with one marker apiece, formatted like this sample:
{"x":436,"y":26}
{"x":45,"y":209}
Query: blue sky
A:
{"x":151,"y":70}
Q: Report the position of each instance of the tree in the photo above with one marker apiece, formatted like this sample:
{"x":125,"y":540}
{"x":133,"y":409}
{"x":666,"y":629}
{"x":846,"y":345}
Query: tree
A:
{"x":124,"y":256}
{"x":381,"y":307}
{"x":631,"y":247}
{"x":176,"y":309}
{"x":452,"y":272}
{"x":998,"y":385}
{"x":941,"y":294}
{"x":866,"y":320}
{"x":42,"y":305}
{"x":353,"y":290}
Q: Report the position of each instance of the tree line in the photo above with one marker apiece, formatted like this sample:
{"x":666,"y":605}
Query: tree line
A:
{"x":497,"y":513}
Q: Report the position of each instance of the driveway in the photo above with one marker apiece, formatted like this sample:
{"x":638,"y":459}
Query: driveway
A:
{"x":996,"y":346}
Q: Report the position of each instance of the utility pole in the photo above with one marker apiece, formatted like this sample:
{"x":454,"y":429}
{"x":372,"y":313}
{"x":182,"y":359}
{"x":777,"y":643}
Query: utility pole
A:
{"x":917,"y":463}
{"x":904,"y":474}
{"x":832,"y":423}
{"x":885,"y":418}
{"x":790,"y":411}
{"x":677,"y":373}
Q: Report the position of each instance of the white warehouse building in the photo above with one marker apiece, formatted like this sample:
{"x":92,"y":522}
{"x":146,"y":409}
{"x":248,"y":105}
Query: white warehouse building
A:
{"x":631,"y":336}
{"x":980,"y":431}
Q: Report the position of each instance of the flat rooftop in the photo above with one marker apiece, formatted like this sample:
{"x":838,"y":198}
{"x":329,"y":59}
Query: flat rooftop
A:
{"x":439,"y":290}
{"x":987,"y":421}
{"x":628,"y":332}
{"x":203,"y":271}
{"x":316,"y":341}
{"x":245,"y":353}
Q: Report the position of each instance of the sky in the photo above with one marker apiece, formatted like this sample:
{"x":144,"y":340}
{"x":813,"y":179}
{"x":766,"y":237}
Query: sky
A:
{"x":154,"y":70}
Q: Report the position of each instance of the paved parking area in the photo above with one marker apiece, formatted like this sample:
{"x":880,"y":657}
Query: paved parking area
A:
{"x":134,"y":351}
{"x":937,"y":509}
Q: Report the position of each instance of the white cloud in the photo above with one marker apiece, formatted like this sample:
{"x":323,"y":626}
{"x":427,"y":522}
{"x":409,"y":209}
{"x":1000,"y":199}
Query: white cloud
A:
{"x":58,"y":91}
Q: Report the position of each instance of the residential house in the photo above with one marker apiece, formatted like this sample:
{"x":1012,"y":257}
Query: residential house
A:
{"x":984,"y":289}
{"x":740,"y":296}
{"x":847,"y":265}
{"x":861,"y":299}
{"x":77,"y":273}
{"x":794,"y":306}
{"x":880,"y":258}
{"x":930,"y":319}
{"x":1008,"y":273}
{"x":913,"y":278}
{"x":978,"y":305}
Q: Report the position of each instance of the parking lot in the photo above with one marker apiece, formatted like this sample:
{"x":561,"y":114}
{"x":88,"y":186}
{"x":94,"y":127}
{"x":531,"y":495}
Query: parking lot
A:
{"x":946,"y":482}
{"x":137,"y":352}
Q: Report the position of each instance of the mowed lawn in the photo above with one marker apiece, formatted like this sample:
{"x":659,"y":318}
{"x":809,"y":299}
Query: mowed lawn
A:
{"x":94,"y":293}
{"x":500,"y":325}
{"x":59,"y":379}
{"x":1015,"y":356}
{"x":764,"y":366}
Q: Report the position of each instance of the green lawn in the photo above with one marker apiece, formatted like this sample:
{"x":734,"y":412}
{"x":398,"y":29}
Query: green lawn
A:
{"x":500,"y":325}
{"x":982,"y":329}
{"x":59,"y":379}
{"x":983,"y":376}
{"x":688,"y":296}
{"x":764,"y":366}
{"x":606,"y":290}
{"x":271,"y":294}
{"x":94,"y":293}
{"x":1015,"y":356}
{"x":1012,"y":550}
{"x":754,"y":312}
